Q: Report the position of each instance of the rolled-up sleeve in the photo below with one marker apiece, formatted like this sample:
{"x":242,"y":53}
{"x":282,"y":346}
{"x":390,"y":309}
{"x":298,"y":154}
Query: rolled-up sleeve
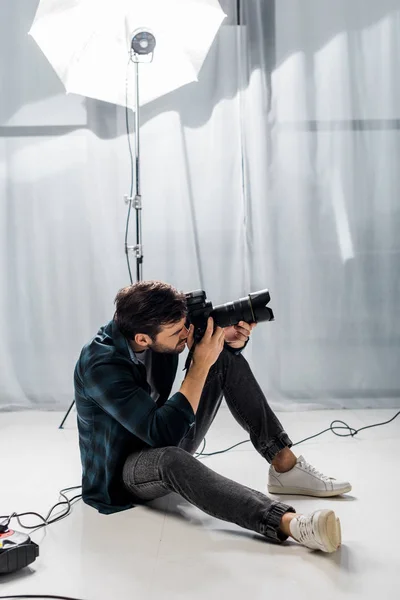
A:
{"x":116,"y":392}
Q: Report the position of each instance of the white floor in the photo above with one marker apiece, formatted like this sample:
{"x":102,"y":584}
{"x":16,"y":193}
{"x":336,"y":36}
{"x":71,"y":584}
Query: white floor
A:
{"x":173,"y":550}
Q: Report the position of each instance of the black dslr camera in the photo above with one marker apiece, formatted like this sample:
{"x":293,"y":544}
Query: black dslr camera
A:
{"x":252,"y":309}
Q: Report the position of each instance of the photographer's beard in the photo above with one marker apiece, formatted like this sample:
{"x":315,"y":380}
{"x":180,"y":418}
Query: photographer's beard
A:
{"x":164,"y":349}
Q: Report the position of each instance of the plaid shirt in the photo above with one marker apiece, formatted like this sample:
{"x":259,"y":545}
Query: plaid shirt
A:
{"x":117,"y":416}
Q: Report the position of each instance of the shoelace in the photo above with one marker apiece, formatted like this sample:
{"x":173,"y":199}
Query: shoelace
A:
{"x":306,"y":531}
{"x":314,"y":471}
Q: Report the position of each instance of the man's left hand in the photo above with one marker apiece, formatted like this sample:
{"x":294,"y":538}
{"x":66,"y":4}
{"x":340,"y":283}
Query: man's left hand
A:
{"x":237,"y":335}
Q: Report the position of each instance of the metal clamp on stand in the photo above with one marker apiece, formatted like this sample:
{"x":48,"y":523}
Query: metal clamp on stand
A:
{"x":137,"y":250}
{"x":136,"y":202}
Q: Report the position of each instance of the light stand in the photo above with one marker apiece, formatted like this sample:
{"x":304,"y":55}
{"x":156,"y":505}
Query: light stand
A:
{"x":142,"y":51}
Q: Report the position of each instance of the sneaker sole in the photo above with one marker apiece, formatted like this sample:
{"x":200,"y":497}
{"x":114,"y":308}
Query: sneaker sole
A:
{"x":305,"y":492}
{"x":330,"y":531}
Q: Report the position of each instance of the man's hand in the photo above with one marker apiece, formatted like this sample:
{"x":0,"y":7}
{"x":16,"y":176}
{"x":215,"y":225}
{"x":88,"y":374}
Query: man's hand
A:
{"x":210,"y":346}
{"x":237,"y":335}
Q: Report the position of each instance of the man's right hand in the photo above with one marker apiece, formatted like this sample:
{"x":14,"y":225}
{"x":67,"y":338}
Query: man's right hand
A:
{"x":207,"y":351}
{"x":205,"y":355}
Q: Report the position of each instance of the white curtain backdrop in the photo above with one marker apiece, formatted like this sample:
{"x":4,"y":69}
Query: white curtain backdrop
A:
{"x":279,"y":169}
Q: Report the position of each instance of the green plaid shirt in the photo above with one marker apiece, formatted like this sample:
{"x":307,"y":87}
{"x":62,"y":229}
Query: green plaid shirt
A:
{"x":117,"y":416}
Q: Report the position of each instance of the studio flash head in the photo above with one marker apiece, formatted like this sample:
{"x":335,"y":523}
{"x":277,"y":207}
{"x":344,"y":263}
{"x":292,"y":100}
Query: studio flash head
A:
{"x":143,"y":42}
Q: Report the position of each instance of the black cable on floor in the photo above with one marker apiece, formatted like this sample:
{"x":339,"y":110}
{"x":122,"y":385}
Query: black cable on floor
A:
{"x":40,"y":597}
{"x":67,"y":502}
{"x":333,"y":427}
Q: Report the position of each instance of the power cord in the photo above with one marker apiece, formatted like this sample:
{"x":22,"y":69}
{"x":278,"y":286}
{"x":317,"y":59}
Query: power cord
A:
{"x":333,"y":427}
{"x":69,"y":502}
{"x":40,"y":597}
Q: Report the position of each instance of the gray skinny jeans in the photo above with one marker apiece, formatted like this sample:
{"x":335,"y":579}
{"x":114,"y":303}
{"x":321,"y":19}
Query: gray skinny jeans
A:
{"x":155,"y":472}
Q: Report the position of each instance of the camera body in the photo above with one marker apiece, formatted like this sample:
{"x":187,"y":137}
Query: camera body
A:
{"x":251,"y":309}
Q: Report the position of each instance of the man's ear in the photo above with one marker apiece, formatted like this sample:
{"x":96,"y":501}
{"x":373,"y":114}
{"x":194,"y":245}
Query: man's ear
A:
{"x":143,"y":340}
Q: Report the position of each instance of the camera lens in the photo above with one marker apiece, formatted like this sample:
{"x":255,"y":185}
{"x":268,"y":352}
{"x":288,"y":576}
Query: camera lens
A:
{"x":252,"y":309}
{"x":259,"y":302}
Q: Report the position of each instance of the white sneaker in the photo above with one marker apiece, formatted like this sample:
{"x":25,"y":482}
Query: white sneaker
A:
{"x":305,"y":480}
{"x":319,"y":531}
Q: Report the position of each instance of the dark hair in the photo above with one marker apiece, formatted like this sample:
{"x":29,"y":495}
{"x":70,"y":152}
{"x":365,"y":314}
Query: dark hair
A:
{"x":146,"y":306}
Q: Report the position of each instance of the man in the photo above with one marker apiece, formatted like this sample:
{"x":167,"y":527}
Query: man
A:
{"x":137,"y":443}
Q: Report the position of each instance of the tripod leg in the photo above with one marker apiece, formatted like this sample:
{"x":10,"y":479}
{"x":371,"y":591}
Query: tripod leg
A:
{"x":66,"y":416}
